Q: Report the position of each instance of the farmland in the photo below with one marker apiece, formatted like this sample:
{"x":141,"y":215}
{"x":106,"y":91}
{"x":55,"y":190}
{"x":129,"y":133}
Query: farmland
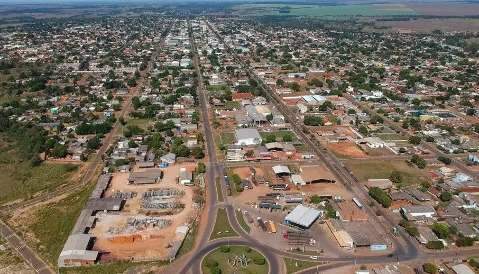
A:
{"x":324,"y":11}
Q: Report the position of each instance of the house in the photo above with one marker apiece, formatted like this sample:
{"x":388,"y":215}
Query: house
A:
{"x":168,"y":159}
{"x":186,"y":177}
{"x":426,"y":235}
{"x":247,"y":137}
{"x":416,"y":212}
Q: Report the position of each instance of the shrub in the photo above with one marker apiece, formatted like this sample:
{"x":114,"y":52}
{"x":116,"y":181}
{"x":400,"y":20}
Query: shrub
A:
{"x":225,"y":249}
{"x":429,"y":268}
{"x":211,"y":263}
{"x":380,"y":196}
{"x":441,"y":230}
{"x":435,"y":245}
{"x":259,"y":260}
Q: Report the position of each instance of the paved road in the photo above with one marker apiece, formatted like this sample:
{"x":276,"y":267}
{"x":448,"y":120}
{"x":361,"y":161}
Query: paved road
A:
{"x":23,"y":250}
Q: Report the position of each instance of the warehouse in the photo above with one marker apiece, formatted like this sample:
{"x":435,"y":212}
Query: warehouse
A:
{"x":247,"y":137}
{"x":75,"y":251}
{"x":302,"y":217}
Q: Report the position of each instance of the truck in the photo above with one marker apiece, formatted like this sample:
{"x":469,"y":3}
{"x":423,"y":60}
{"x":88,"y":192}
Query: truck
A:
{"x":261,"y":224}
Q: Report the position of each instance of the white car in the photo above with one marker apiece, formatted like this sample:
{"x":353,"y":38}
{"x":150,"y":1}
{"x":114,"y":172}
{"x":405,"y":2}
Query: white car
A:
{"x":313,"y":257}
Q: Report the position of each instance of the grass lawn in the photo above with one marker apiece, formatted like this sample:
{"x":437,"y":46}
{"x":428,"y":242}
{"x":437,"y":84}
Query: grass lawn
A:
{"x":391,"y":137}
{"x":117,"y":267}
{"x":221,"y":255}
{"x":189,"y":240}
{"x":241,"y":221}
{"x":293,"y":265}
{"x":379,"y":169}
{"x":222,"y":227}
{"x":227,"y":138}
{"x":54,"y":222}
{"x":218,"y":190}
{"x":20,"y":180}
{"x":141,"y":123}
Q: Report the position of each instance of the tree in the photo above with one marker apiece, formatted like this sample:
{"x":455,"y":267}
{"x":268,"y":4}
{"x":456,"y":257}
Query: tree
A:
{"x":441,"y":230}
{"x":380,"y":196}
{"x":93,"y":143}
{"x":311,"y":120}
{"x":446,"y":196}
{"x":201,"y":167}
{"x":418,"y":161}
{"x":430,"y":268}
{"x":198,"y":153}
{"x":59,"y":151}
{"x":415,"y":140}
{"x":396,"y":177}
{"x":445,"y":160}
{"x":363,"y":130}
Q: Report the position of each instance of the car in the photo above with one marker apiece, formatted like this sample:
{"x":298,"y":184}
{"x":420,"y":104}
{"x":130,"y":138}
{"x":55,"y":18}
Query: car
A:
{"x":313,"y":257}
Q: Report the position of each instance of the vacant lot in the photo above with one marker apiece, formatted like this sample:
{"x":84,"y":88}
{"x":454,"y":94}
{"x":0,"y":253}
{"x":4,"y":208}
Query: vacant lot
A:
{"x":20,"y":180}
{"x":379,"y":169}
{"x":346,"y":150}
{"x":52,"y":223}
{"x":222,"y":257}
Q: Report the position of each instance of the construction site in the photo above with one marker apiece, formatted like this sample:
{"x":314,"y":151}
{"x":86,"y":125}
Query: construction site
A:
{"x":139,"y":215}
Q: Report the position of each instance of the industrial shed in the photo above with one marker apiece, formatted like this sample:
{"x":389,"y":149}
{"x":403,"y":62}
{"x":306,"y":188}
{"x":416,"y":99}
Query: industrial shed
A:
{"x":302,"y":216}
{"x":75,"y":251}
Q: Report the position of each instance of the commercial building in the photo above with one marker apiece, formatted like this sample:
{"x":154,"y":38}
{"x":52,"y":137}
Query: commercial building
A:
{"x":302,"y":216}
{"x":247,"y":137}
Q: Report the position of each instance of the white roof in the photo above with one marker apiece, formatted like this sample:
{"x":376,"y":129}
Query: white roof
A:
{"x":462,"y":269}
{"x":297,"y":179}
{"x":303,"y":216}
{"x":247,"y":133}
{"x":281,"y":169}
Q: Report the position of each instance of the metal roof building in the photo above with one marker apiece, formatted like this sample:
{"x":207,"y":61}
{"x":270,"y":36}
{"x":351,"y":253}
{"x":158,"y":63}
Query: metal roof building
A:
{"x":302,"y":216}
{"x":76,"y":253}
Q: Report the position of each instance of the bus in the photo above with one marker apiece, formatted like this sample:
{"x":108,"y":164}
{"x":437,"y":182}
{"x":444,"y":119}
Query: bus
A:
{"x":356,"y":201}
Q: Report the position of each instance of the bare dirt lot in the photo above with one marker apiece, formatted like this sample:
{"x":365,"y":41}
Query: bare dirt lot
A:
{"x":346,"y":149}
{"x":121,"y":240}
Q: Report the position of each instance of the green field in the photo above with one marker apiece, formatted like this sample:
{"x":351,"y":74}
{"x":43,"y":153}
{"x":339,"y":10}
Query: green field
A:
{"x":222,"y":227}
{"x":278,"y":135}
{"x":293,"y":265}
{"x":20,"y":180}
{"x":380,"y":169}
{"x":328,"y":11}
{"x":141,"y":123}
{"x":219,"y":259}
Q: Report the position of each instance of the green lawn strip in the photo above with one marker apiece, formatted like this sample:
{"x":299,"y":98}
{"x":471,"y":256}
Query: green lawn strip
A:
{"x":116,"y":267}
{"x":218,"y":189}
{"x":222,"y":226}
{"x":293,"y":265}
{"x":141,"y":123}
{"x":53,"y":223}
{"x":220,"y":257}
{"x":189,"y":240}
{"x":241,"y":221}
{"x":378,"y":169}
{"x":278,"y":135}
